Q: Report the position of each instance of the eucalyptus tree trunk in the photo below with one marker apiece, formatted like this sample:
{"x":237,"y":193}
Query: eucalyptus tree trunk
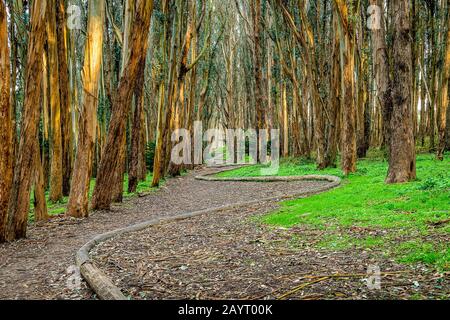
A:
{"x":66,"y":121}
{"x":117,"y":184}
{"x":447,"y":131}
{"x":443,"y":121}
{"x":102,"y":197}
{"x":433,"y":83}
{"x":402,"y":160}
{"x":40,"y":203}
{"x":335,"y":99}
{"x":163,"y":111}
{"x":180,"y":84}
{"x":382,"y":74}
{"x":56,"y":175}
{"x":348,"y":101}
{"x":260,"y":98}
{"x":78,"y":205}
{"x":362,"y":106}
{"x":14,"y":55}
{"x":133,"y":174}
{"x":6,"y":127}
{"x":305,"y":39}
{"x":23,"y":170}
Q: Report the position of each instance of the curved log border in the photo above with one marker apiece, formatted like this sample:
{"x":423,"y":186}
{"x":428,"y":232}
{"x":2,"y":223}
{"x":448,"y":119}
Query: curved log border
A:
{"x":105,"y":288}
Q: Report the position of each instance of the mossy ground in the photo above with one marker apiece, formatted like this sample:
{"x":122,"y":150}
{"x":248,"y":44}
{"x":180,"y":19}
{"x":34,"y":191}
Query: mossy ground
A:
{"x":397,"y":221}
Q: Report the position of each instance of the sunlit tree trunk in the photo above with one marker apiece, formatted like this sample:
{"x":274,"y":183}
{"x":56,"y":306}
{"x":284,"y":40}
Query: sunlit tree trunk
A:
{"x":285,"y":120}
{"x":66,"y":121}
{"x":102,"y":197}
{"x":6,"y":126}
{"x":46,"y":120}
{"x":363,"y":105}
{"x":178,"y":100}
{"x":166,"y":114}
{"x":23,"y":171}
{"x":14,"y":55}
{"x":78,"y":205}
{"x":447,"y":131}
{"x":142,"y":162}
{"x":443,"y":121}
{"x":158,"y":166}
{"x":117,"y":184}
{"x":433,"y":83}
{"x":348,"y":102}
{"x":56,"y":175}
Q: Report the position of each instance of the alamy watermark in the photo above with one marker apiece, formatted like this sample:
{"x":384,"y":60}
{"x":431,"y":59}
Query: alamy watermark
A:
{"x":374,"y":17}
{"x":373,"y":277}
{"x":74,"y":17}
{"x":73,"y":281}
{"x":227,"y":147}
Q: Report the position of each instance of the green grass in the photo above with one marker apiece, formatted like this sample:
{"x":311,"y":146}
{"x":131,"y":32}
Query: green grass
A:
{"x":60,"y":207}
{"x":405,"y":212}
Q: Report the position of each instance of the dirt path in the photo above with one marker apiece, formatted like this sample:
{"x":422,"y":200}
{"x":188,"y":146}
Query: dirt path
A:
{"x":37,"y":267}
{"x":231,"y":255}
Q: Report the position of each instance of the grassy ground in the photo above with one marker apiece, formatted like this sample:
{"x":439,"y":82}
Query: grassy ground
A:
{"x":60,"y":207}
{"x":405,"y":222}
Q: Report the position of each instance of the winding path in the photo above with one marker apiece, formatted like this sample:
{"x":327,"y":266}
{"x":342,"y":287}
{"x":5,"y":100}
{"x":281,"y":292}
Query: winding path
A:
{"x":39,"y":266}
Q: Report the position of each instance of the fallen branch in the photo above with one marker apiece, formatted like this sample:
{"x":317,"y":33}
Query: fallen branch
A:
{"x":327,"y":277}
{"x":356,"y":275}
{"x":300,"y":287}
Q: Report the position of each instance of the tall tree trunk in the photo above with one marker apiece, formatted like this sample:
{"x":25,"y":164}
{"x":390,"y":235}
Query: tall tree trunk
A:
{"x":14,"y":53}
{"x":133,"y":174}
{"x":102,"y":197}
{"x":363,"y":105}
{"x":348,"y":101}
{"x":165,"y":113}
{"x":117,"y":184}
{"x":56,"y":175}
{"x":447,"y":131}
{"x":260,"y":98}
{"x":443,"y":121}
{"x":6,"y":128}
{"x":66,"y":121}
{"x":40,"y":203}
{"x":382,"y":74}
{"x":46,"y":120}
{"x":179,"y":101}
{"x":142,"y":163}
{"x":78,"y":205}
{"x":433,"y":83}
{"x":402,"y":160}
{"x":335,"y":100}
{"x":23,"y":171}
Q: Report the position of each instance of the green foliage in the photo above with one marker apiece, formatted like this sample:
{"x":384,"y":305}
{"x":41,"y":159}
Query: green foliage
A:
{"x":405,"y":211}
{"x":428,"y":253}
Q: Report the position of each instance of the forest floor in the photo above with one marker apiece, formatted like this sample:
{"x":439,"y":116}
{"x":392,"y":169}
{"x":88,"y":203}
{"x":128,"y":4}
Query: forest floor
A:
{"x":321,"y":247}
{"x":230,"y":255}
{"x":40,"y":267}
